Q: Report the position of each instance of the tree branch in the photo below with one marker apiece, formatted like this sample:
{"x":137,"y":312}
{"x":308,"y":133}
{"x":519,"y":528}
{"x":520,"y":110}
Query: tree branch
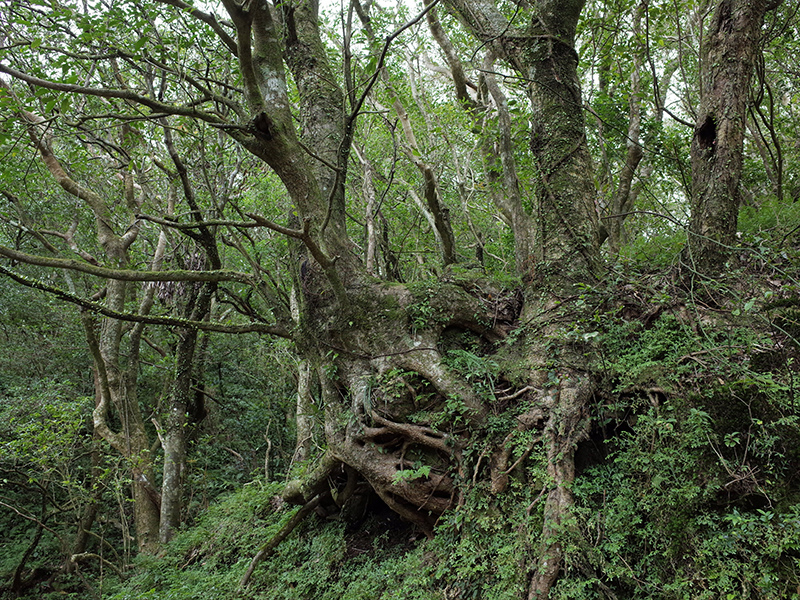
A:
{"x":276,"y":330}
{"x":208,"y":19}
{"x":453,"y":61}
{"x":267,"y":549}
{"x":198,"y":224}
{"x":382,"y":59}
{"x":125,"y":274}
{"x":327,"y":264}
{"x":170,"y":109}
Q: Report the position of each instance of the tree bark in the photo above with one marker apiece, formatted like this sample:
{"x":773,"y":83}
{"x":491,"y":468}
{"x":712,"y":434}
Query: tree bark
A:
{"x":732,"y":45}
{"x":304,"y":416}
{"x":564,"y":244}
{"x":557,"y":245}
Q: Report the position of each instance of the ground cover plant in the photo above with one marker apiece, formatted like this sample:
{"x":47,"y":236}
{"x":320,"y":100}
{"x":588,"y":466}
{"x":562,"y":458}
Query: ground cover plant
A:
{"x":450,"y":300}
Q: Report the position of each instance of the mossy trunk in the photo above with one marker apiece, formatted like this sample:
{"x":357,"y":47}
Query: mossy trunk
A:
{"x":400,"y":409}
{"x":396,"y":364}
{"x":565,"y":218}
{"x":731,"y":50}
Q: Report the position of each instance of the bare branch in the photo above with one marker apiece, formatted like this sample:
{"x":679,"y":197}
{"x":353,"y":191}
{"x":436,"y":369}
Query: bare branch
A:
{"x":125,"y":274}
{"x":276,"y":330}
{"x":162,"y":107}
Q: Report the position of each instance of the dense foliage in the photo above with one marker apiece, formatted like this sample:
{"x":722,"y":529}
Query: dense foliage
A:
{"x":458,"y":300}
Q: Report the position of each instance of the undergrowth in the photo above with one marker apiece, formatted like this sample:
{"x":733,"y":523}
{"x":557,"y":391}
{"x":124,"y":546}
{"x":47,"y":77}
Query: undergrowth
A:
{"x":692,"y":491}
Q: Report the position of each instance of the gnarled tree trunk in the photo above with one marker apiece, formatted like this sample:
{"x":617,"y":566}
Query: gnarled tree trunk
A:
{"x":726,"y":69}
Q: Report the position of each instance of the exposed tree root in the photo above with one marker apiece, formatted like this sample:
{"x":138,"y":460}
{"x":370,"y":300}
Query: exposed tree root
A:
{"x":499,"y":469}
{"x":567,"y":425}
{"x":411,"y":434}
{"x":379,"y":455}
{"x":300,"y":491}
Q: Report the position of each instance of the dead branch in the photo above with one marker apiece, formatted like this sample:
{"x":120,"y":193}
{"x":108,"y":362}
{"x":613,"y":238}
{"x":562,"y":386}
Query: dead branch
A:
{"x":267,"y":549}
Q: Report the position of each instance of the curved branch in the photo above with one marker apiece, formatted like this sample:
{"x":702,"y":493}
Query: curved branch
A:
{"x":32,"y":519}
{"x":198,"y":224}
{"x":327,"y":264}
{"x":209,"y":20}
{"x":125,"y":274}
{"x":75,"y":558}
{"x":276,"y":330}
{"x":69,"y":88}
{"x":37,"y":130}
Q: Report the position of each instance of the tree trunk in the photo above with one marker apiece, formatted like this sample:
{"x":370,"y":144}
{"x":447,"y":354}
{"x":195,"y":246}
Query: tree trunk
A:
{"x":566,"y":244}
{"x":197,"y":308}
{"x":90,"y":509}
{"x":174,"y":437}
{"x":118,"y":390}
{"x":146,"y":501}
{"x":304,"y":416}
{"x":561,"y":238}
{"x":115,"y":373}
{"x":726,"y":69}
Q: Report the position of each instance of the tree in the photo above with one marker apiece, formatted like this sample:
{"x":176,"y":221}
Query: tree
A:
{"x":406,"y":373}
{"x":727,"y":64}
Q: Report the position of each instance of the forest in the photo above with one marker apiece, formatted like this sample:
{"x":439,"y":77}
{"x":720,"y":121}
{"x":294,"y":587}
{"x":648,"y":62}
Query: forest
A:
{"x":433,"y":300}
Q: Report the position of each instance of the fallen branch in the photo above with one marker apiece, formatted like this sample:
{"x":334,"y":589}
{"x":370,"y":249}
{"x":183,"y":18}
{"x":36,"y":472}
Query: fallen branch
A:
{"x":267,"y":549}
{"x":83,"y":556}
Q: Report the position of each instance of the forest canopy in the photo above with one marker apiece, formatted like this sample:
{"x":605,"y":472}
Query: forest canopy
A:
{"x":484,"y":299}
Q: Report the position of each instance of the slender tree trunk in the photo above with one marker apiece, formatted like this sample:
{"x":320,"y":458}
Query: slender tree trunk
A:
{"x":624,"y":196}
{"x":92,"y":505}
{"x":174,"y":437}
{"x":304,"y":417}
